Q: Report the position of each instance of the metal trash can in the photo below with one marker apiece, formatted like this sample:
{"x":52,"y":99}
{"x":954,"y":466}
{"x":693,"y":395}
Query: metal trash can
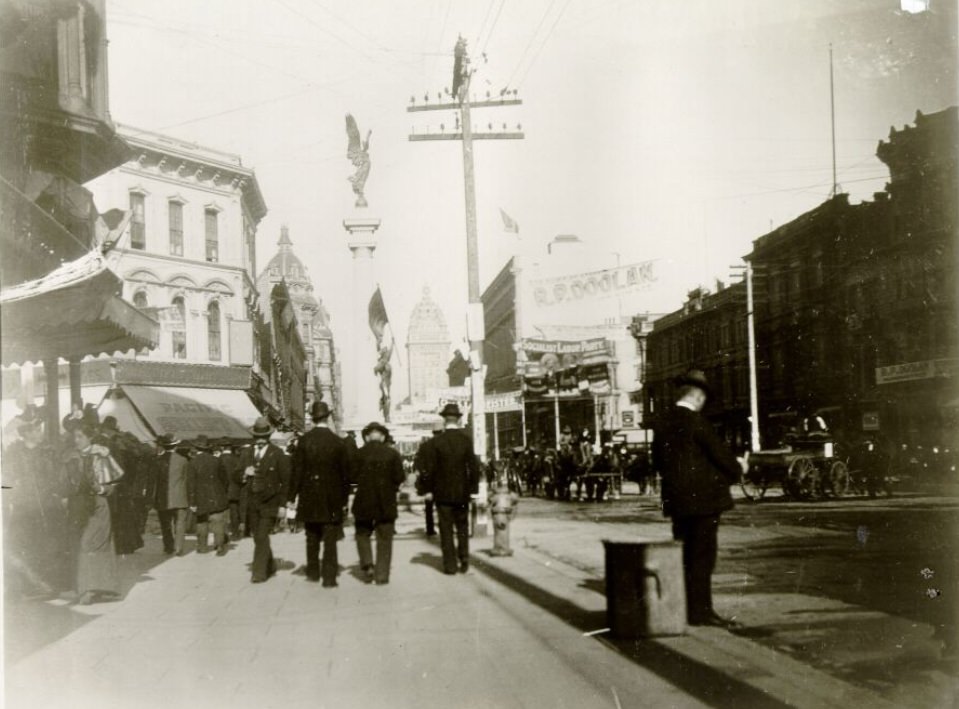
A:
{"x":645,"y":591}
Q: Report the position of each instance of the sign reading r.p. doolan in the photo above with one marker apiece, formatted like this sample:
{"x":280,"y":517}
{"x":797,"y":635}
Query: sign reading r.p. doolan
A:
{"x":562,"y":290}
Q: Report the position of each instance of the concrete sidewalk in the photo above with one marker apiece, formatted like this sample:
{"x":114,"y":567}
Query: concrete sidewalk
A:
{"x":195,"y":632}
{"x":800,"y":650}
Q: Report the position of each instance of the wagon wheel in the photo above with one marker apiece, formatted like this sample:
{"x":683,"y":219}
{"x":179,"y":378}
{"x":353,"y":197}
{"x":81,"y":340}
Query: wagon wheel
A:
{"x":802,"y":478}
{"x":754,"y":484}
{"x":837,"y":480}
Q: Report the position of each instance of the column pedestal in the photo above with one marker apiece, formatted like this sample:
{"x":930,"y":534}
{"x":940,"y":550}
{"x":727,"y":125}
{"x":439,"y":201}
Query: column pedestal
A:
{"x":361,"y":391}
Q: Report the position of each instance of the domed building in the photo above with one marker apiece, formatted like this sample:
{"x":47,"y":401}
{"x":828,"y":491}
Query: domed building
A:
{"x":323,"y":381}
{"x":428,"y":349}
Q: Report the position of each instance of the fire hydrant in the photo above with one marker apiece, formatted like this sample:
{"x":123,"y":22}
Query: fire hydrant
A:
{"x":502,"y":508}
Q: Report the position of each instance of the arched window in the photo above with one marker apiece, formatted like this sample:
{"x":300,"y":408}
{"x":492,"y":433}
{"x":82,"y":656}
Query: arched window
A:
{"x":213,"y":330}
{"x":140,"y":299}
{"x":179,"y":328}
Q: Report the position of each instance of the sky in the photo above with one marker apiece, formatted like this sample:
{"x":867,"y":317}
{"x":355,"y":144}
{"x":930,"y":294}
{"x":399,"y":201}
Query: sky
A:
{"x":678,"y":131}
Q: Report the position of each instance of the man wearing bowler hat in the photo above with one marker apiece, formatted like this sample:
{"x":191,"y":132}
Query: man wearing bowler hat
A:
{"x":378,"y":474}
{"x":268,"y":474}
{"x":170,"y":494}
{"x":697,"y":469}
{"x":452,"y":473}
{"x":321,"y":480}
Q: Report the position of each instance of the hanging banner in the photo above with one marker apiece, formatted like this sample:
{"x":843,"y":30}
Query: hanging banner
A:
{"x":562,"y":290}
{"x":565,"y":368}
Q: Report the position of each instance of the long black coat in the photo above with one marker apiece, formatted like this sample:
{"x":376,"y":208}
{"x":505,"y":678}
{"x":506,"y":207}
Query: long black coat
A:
{"x":271,"y":479}
{"x":378,"y":474}
{"x":206,"y":484}
{"x":234,"y":475}
{"x":452,"y":470}
{"x":321,"y":477}
{"x":697,"y":468}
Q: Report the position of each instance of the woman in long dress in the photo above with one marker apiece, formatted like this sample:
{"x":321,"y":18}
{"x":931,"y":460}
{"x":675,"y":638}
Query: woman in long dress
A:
{"x":97,"y":575}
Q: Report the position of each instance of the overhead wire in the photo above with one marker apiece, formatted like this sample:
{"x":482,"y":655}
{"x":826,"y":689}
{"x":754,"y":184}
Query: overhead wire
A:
{"x":529,"y":44}
{"x":543,"y":44}
{"x":492,"y":28}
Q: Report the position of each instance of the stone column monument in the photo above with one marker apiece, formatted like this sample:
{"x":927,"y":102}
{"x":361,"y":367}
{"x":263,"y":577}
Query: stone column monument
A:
{"x":361,"y":391}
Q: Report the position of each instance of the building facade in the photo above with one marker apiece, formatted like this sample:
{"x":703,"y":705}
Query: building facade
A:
{"x":322,"y":376}
{"x":56,"y":134}
{"x":855,"y":308}
{"x":427,"y":349}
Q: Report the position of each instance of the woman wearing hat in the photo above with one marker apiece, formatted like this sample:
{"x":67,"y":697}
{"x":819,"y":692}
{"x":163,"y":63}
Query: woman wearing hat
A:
{"x":378,"y":475}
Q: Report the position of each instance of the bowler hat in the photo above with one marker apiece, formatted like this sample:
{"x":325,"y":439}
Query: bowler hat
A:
{"x":695,"y":378}
{"x":167,"y":440}
{"x":262,"y":428}
{"x":320,"y":410}
{"x":201,"y":442}
{"x":451,"y":410}
{"x":375,"y":426}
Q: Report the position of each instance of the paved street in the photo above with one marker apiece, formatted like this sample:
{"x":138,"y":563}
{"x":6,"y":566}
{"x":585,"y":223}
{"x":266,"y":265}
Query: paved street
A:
{"x":193,"y":630}
{"x":826,"y":624}
{"x":843,"y":586}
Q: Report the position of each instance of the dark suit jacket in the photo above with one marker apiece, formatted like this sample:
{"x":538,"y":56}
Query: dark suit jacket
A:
{"x":206,"y":484}
{"x":234,"y":474}
{"x":420,"y":462}
{"x":451,"y":467}
{"x":697,"y":468}
{"x":269,"y":484}
{"x":378,"y":475}
{"x":321,"y":477}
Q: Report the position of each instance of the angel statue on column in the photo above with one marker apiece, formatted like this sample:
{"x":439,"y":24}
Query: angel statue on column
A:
{"x":358,"y":153}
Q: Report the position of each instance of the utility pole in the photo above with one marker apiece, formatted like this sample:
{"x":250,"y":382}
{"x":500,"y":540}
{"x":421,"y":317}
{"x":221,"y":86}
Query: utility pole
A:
{"x":753,"y":384}
{"x":832,"y":121}
{"x":475,"y":326}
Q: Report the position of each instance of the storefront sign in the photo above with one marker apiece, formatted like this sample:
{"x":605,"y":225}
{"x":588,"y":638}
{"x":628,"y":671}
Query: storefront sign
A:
{"x":597,"y":345}
{"x":913,"y":371}
{"x":501,"y":403}
{"x":596,"y":284}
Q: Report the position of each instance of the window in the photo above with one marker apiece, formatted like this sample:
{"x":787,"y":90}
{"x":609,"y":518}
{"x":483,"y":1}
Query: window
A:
{"x":179,"y":328}
{"x":212,"y":236}
{"x":140,"y":299}
{"x":138,"y":226}
{"x":176,"y":228}
{"x":213,"y":330}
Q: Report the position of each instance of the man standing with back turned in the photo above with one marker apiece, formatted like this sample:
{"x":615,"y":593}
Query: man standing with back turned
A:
{"x":321,"y":479}
{"x":697,"y":469}
{"x":452,"y":477}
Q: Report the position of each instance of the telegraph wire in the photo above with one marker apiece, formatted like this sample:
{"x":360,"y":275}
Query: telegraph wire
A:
{"x":489,"y":9}
{"x":545,"y":40}
{"x":529,"y":44}
{"x":489,"y":36}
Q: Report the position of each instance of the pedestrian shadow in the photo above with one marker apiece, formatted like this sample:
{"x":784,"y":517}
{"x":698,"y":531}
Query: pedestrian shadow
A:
{"x":595,"y":585}
{"x":433,"y":561}
{"x":708,"y":685}
{"x":356,"y":571}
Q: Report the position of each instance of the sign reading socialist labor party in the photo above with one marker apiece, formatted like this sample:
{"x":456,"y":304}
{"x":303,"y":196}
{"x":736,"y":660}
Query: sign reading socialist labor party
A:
{"x":567,"y":368}
{"x":562,"y":290}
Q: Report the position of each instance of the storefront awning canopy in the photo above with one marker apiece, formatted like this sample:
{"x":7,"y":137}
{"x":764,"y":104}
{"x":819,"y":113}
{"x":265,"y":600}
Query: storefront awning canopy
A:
{"x":187,"y":413}
{"x":72,"y":312}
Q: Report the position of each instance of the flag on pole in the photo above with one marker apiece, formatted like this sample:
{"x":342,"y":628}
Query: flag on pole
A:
{"x":509,"y":224}
{"x":377,"y":313}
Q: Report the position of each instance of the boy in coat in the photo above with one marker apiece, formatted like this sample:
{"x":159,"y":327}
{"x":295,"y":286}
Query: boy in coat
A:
{"x":321,"y":480}
{"x":378,"y":474}
{"x":697,"y":469}
{"x":207,"y":482}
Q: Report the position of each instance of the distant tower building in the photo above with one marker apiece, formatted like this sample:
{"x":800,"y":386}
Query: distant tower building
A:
{"x":323,"y":379}
{"x":428,"y":349}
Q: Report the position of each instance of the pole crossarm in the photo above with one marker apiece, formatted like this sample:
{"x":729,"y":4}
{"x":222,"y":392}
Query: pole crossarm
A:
{"x":415,"y":137}
{"x":456,"y":105}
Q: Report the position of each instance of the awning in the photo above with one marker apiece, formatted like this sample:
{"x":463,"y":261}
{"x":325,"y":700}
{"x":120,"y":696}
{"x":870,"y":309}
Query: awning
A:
{"x":117,"y":404}
{"x":72,"y":312}
{"x":187,"y":413}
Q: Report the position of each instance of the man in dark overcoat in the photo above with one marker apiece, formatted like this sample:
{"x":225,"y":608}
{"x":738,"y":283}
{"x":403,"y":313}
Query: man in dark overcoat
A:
{"x":378,"y":474}
{"x":234,"y":475}
{"x":422,"y":454}
{"x":452,"y":476}
{"x":207,"y":482}
{"x":697,"y":470}
{"x":268,"y":476}
{"x":321,"y":481}
{"x":170,"y":494}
